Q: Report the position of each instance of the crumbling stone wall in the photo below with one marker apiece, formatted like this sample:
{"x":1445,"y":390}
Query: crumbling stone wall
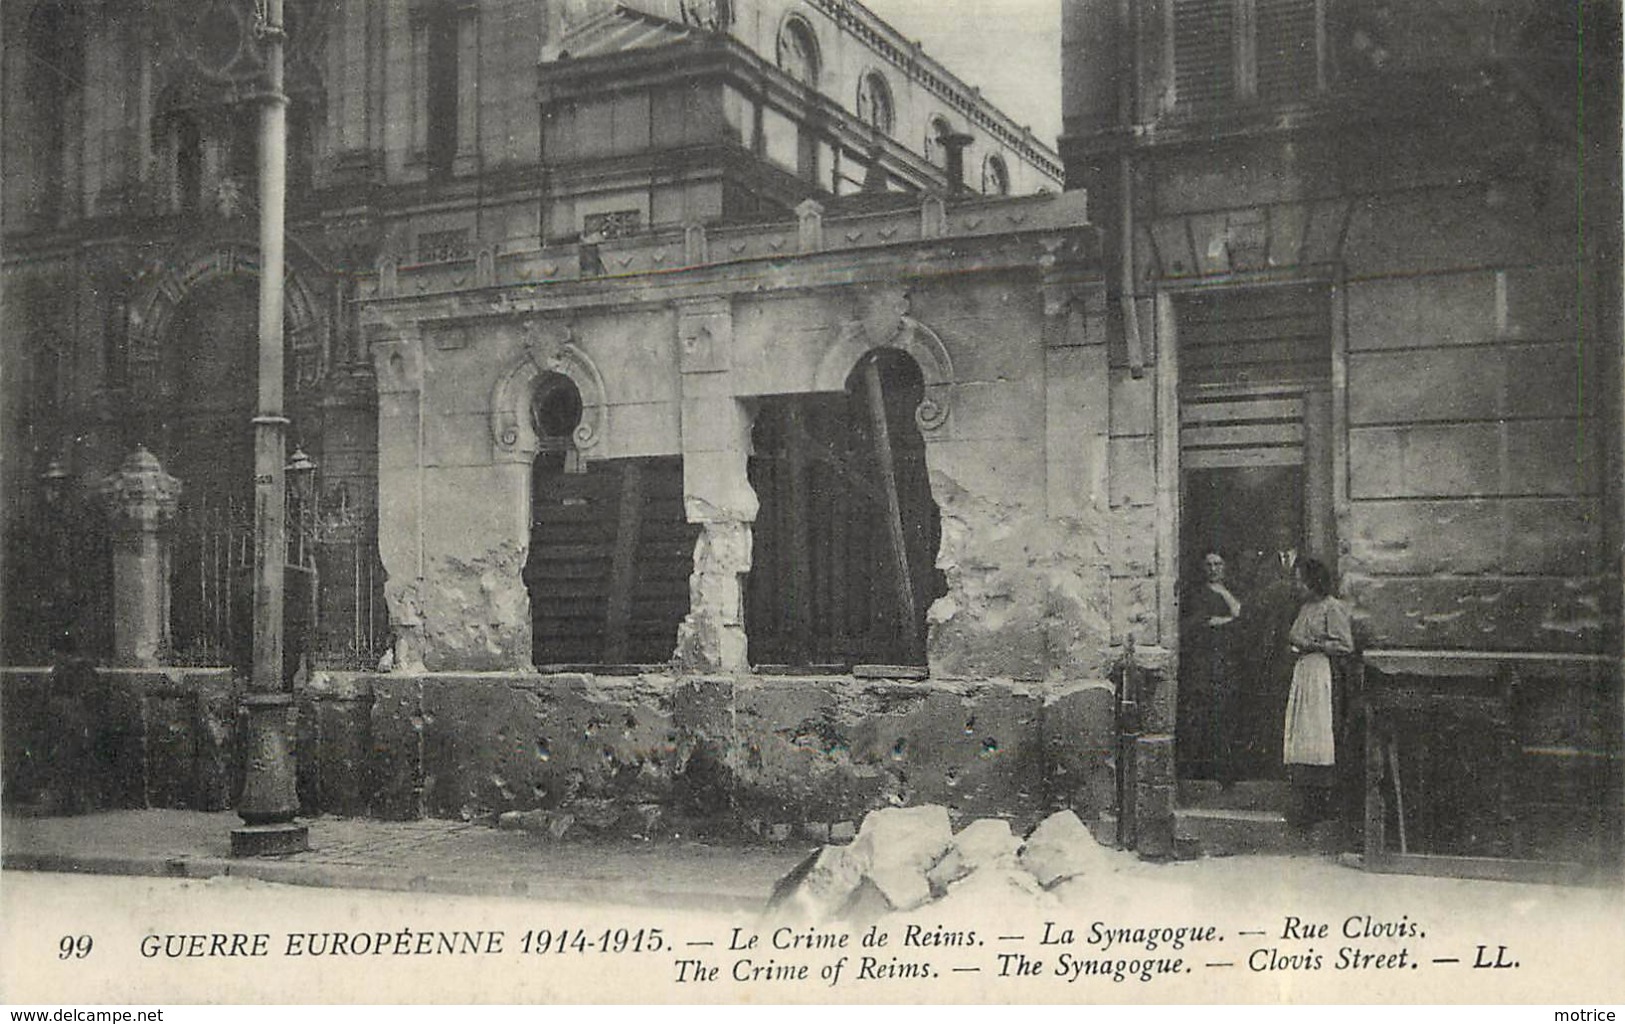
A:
{"x":722,"y":753}
{"x":1011,"y":347}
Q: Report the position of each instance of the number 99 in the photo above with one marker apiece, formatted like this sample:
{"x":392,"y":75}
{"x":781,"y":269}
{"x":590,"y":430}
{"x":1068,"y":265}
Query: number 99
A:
{"x":74,"y":947}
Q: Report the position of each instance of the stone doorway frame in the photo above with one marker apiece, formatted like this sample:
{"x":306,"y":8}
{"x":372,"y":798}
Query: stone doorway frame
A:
{"x":1161,"y":771}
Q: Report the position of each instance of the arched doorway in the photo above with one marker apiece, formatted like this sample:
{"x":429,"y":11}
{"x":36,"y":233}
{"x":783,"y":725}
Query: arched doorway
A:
{"x":843,"y":565}
{"x":203,"y":433}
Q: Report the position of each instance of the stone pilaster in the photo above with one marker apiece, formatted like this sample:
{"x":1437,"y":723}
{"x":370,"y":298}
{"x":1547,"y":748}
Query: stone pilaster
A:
{"x":716,"y":491}
{"x":1076,"y":432}
{"x":141,"y":501}
{"x":397,"y":361}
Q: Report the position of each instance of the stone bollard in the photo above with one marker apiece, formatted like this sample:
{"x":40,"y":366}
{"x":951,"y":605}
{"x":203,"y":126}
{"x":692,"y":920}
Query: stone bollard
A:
{"x":141,"y":500}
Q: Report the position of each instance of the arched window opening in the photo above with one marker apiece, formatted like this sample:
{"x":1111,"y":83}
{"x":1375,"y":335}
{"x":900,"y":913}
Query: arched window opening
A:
{"x":611,"y":550}
{"x":875,"y":103}
{"x":798,"y":51}
{"x":555,"y":412}
{"x":844,"y":560}
{"x":995,"y":177}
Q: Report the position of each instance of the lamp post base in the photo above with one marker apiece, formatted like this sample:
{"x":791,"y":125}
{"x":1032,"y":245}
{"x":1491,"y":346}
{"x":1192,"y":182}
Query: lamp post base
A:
{"x":269,"y":840}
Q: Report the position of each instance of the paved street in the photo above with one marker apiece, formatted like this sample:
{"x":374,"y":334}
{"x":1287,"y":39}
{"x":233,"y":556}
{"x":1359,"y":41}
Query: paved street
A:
{"x":429,"y":855}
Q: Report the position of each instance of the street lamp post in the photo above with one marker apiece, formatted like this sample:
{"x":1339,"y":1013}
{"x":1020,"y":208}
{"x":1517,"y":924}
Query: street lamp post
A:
{"x":269,"y":801}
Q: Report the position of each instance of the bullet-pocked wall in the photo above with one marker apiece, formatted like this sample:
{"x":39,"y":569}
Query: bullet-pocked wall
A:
{"x":1012,"y":710}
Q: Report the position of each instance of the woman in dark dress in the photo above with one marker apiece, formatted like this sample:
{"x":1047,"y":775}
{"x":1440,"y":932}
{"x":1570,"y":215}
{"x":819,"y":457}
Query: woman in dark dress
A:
{"x":1209,"y":686}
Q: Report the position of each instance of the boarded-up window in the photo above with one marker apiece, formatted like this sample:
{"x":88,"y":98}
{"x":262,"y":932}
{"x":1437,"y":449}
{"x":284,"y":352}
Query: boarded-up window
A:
{"x":1255,"y":420}
{"x":843,"y":567}
{"x":1255,"y":336}
{"x":610,"y":548}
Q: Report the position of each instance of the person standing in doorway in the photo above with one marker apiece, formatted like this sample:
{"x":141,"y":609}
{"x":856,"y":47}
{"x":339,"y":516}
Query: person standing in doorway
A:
{"x":1209,"y":692}
{"x":1321,"y":632}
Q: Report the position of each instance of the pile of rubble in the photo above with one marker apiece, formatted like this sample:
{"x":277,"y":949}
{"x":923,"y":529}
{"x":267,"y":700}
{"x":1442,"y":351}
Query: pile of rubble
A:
{"x":907,"y":858}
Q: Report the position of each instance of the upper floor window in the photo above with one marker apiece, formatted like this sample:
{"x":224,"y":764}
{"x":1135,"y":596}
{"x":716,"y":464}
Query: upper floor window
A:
{"x":1225,"y":51}
{"x":216,"y":160}
{"x":798,"y":51}
{"x":875,"y":103}
{"x":442,"y":88}
{"x":995,"y":177}
{"x":54,"y":84}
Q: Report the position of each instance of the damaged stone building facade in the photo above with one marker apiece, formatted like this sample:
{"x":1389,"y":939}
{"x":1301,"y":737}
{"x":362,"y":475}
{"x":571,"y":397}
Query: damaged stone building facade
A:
{"x":717,"y":413}
{"x":688,"y":353}
{"x":868,"y":448}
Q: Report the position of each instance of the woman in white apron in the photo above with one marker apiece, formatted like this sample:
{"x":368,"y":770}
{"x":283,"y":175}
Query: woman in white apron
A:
{"x":1322,"y":631}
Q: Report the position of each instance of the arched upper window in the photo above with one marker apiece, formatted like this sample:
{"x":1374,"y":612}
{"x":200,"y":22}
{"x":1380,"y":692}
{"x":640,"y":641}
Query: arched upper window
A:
{"x":555,"y":410}
{"x":995,"y":176}
{"x":798,"y":51}
{"x":875,"y":103}
{"x":935,"y":151}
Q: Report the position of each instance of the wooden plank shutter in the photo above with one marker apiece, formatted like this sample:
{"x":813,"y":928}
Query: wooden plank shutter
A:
{"x":844,"y":547}
{"x":1250,"y":362}
{"x":1255,"y":336}
{"x":611,"y":555}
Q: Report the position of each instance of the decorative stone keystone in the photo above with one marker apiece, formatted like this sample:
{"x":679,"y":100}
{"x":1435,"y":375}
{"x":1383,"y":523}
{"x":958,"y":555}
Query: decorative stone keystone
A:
{"x":141,"y":500}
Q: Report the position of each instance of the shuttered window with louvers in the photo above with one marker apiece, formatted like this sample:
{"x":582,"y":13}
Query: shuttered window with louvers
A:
{"x":1287,"y":49}
{"x":1204,"y":48}
{"x":1229,"y":51}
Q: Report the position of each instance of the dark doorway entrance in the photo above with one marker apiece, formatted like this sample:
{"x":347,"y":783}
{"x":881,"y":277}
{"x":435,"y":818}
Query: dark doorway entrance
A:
{"x":1255,"y":491}
{"x":1244,"y":515}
